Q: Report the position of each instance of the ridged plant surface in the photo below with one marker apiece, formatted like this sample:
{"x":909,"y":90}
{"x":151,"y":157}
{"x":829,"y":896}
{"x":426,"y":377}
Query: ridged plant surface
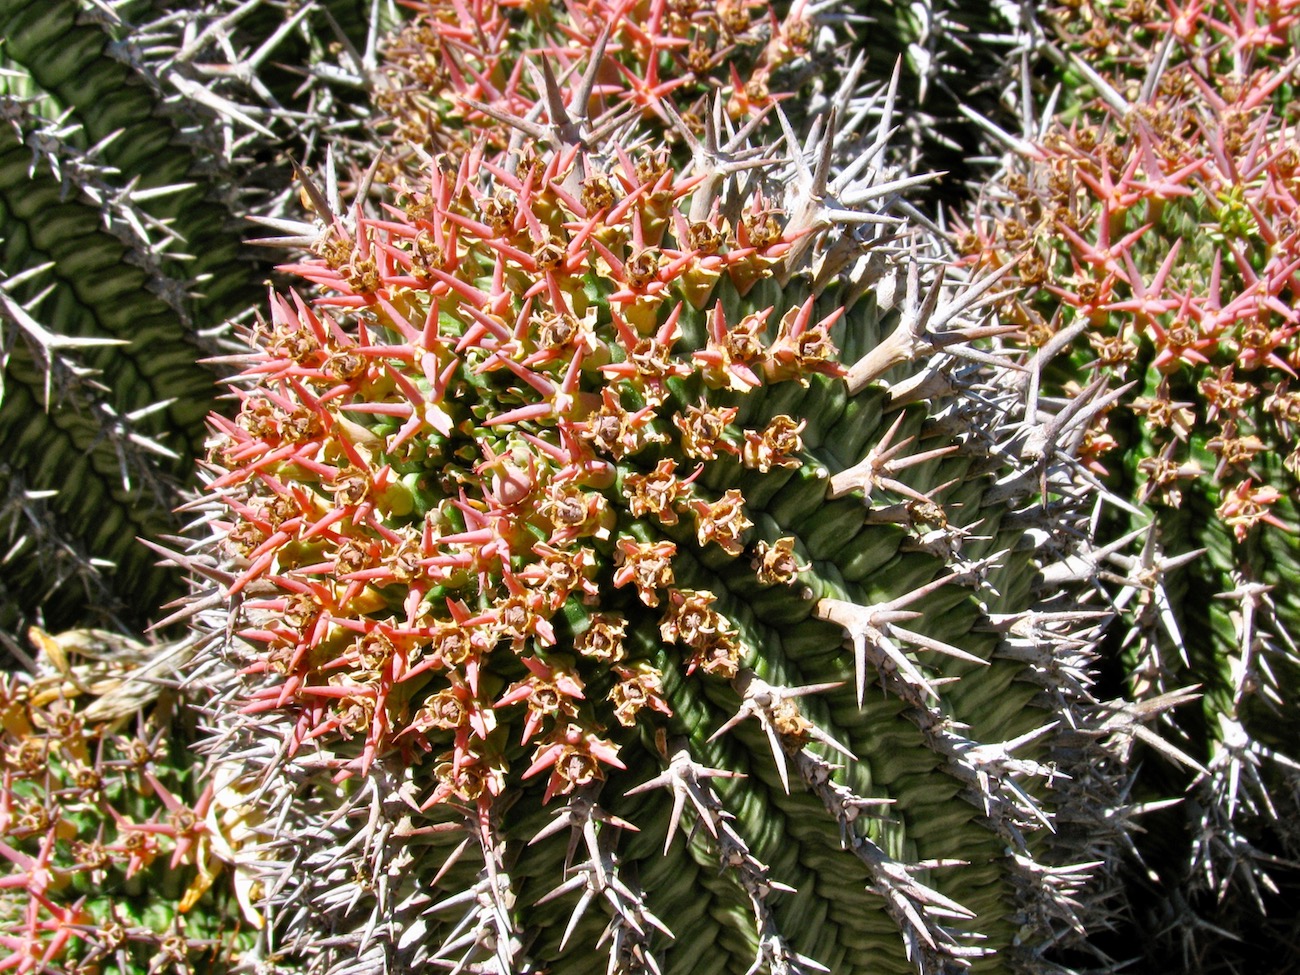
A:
{"x":91,"y":422}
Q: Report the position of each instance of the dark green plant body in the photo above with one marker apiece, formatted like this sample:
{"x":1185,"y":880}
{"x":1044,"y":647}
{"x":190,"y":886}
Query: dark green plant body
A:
{"x":955,"y":58}
{"x":58,"y":428}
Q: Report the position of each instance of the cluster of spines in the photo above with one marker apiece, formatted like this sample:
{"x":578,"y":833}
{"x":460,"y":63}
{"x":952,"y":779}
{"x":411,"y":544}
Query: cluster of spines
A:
{"x":959,"y":61}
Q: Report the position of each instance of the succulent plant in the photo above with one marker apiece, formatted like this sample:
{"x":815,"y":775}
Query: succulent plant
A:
{"x":130,"y":135}
{"x":629,"y":533}
{"x":127,"y":165}
{"x":102,"y":826}
{"x":1156,"y":223}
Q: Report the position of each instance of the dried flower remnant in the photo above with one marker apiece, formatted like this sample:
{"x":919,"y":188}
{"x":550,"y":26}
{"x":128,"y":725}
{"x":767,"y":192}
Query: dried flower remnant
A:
{"x":1246,"y":505}
{"x":647,"y":565}
{"x":723,"y":521}
{"x":602,"y":639}
{"x":776,"y":445}
{"x":657,"y":493}
{"x":776,"y":564}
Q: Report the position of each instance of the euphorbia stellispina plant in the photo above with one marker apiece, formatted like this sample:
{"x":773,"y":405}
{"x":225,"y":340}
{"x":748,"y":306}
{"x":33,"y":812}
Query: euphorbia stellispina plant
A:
{"x":629,"y":535}
{"x":107,"y":854}
{"x":1155,"y":223}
